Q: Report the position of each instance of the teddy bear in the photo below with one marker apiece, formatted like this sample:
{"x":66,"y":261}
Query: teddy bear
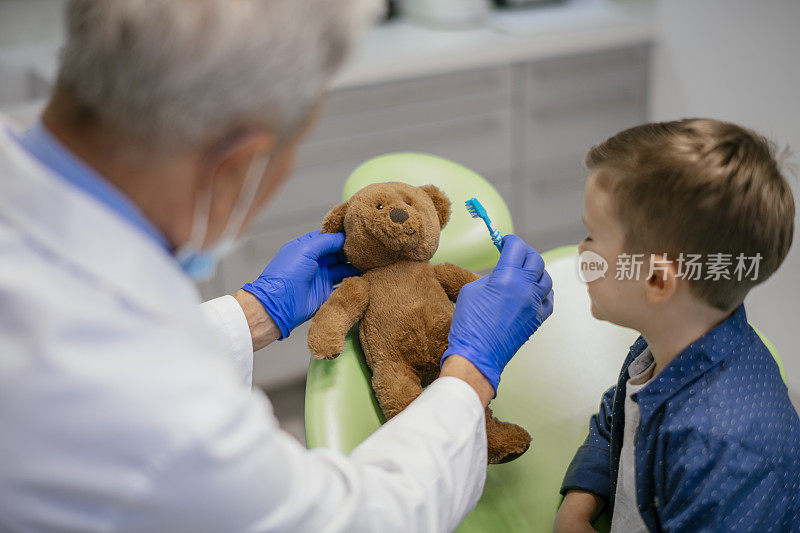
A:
{"x":404,"y":305}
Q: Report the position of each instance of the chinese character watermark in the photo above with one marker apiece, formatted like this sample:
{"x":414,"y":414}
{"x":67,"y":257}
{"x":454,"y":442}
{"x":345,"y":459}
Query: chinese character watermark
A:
{"x":714,"y":267}
{"x":629,"y":266}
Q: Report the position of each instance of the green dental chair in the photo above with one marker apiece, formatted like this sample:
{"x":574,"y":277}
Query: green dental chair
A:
{"x":551,"y":387}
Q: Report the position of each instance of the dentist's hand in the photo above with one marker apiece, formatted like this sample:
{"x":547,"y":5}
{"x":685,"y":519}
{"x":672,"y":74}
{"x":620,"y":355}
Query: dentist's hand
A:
{"x":496,"y":314}
{"x":300,"y":278}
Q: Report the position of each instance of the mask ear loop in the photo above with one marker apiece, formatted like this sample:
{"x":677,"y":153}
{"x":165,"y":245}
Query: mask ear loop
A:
{"x":252,"y":182}
{"x":197,"y":235}
{"x":202,"y":210}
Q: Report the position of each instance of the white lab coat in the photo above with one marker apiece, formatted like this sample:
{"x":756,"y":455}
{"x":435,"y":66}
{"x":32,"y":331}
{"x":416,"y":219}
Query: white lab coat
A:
{"x":123,"y":407}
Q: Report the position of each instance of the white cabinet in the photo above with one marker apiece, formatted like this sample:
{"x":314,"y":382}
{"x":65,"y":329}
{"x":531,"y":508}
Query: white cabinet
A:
{"x":523,"y":126}
{"x":571,"y":104}
{"x":464,"y":116}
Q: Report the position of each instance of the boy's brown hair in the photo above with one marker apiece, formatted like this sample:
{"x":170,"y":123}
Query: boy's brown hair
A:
{"x":699,"y":186}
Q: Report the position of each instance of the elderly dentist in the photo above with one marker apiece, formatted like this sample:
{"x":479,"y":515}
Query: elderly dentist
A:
{"x":125,"y":404}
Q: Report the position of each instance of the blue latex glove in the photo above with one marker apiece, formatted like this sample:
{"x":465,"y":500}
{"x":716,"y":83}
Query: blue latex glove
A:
{"x":496,"y":314}
{"x":300,"y":278}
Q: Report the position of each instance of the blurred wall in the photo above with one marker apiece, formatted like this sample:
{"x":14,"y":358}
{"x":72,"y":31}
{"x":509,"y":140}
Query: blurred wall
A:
{"x":30,"y":21}
{"x":737,"y":60}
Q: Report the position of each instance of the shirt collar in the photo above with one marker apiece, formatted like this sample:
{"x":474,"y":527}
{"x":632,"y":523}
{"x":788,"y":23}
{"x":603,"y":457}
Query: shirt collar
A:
{"x":696,"y":359}
{"x":86,"y":240}
{"x":48,"y":150}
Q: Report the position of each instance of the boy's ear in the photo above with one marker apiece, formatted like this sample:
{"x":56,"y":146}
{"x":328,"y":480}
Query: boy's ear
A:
{"x":440,"y":202}
{"x":663,"y":282}
{"x":334,"y":220}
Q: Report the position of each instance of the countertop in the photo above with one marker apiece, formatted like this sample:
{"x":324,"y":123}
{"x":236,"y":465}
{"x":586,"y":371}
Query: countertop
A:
{"x":403,"y":49}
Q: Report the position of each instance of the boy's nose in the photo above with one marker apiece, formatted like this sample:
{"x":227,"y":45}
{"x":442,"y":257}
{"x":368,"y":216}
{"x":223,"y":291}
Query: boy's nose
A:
{"x":398,"y":215}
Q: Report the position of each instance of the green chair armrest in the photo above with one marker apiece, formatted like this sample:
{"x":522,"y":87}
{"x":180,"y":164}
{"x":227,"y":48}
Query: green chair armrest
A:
{"x":341,"y":409}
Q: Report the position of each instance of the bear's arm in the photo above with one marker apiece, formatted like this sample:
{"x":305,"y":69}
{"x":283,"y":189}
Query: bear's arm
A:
{"x":452,"y":278}
{"x":337,"y":315}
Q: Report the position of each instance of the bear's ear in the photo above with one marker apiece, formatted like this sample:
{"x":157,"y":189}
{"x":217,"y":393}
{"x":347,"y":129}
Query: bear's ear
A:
{"x":440,"y":202}
{"x":334,"y":220}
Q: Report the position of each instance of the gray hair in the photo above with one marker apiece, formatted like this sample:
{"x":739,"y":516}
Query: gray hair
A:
{"x":188,"y":71}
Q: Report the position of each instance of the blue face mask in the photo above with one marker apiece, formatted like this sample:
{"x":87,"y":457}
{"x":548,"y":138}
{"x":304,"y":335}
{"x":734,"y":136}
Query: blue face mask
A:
{"x":202,"y":265}
{"x":199,"y":264}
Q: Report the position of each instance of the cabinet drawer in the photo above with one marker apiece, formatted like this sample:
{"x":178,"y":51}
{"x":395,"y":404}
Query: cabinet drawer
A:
{"x":574,"y":103}
{"x":482,"y":143}
{"x":484,"y":139}
{"x":586,"y":97}
{"x":554,"y":194}
{"x":548,"y":212}
{"x":434,"y":88}
{"x":574,"y":129}
{"x":562,"y":76}
{"x":392,"y":117}
{"x":464,"y":116}
{"x":557,"y":173}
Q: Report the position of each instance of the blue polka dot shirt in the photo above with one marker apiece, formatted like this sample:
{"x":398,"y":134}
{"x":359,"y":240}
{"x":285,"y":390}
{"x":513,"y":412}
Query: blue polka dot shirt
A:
{"x":718,"y":445}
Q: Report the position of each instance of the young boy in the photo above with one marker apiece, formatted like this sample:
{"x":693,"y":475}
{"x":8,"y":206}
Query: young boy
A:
{"x":699,"y":432}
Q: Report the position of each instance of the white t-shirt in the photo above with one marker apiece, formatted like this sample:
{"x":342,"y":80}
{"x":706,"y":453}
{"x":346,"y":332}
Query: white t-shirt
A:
{"x":626,"y":517}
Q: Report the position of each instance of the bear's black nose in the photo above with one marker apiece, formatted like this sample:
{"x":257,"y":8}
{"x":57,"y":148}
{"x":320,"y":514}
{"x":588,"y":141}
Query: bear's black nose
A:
{"x":398,"y":215}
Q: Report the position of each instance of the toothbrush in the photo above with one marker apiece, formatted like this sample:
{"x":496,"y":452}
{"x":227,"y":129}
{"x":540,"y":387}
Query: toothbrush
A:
{"x":477,"y":211}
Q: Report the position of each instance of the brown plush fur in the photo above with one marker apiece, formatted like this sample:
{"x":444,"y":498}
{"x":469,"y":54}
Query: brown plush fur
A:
{"x":404,"y":303}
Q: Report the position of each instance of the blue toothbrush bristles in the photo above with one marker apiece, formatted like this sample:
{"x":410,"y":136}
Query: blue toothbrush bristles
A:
{"x":477,"y":211}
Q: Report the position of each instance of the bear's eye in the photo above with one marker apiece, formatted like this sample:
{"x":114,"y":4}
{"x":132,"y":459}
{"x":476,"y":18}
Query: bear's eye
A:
{"x":379,"y":206}
{"x":408,"y":203}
